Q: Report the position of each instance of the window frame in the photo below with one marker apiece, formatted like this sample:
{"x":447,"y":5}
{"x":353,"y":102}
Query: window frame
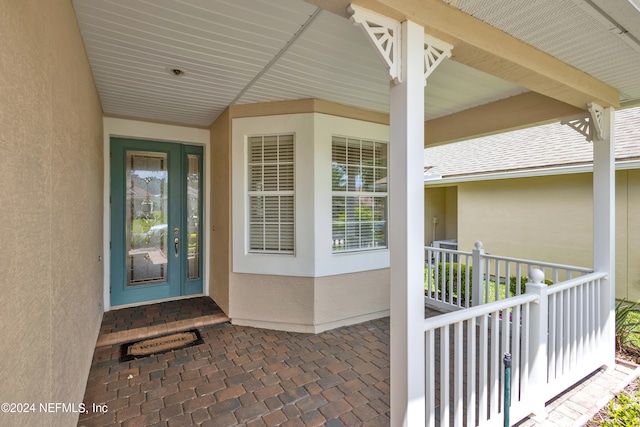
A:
{"x":252,"y":194}
{"x":358,"y":195}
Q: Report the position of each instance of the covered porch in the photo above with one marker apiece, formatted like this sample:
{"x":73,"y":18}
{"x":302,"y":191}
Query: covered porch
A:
{"x":256,"y":377}
{"x":284,"y":243}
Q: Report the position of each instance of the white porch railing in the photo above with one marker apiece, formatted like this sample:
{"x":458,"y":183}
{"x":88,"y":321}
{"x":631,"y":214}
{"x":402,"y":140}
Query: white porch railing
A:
{"x":552,"y":332}
{"x":575,"y":331}
{"x":448,"y":278}
{"x":457,"y":279}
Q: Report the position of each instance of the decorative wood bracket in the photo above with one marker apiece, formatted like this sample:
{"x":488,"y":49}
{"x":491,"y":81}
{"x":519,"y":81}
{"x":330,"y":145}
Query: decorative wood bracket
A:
{"x":435,"y":51}
{"x":384,"y":34}
{"x":580,"y":124}
{"x":597,"y":120}
{"x":590,"y":125}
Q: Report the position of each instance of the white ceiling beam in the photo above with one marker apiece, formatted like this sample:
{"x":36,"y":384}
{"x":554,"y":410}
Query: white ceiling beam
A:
{"x":508,"y":114}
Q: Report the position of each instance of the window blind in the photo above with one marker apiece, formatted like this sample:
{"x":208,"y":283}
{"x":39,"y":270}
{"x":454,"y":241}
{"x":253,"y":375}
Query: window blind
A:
{"x":359,"y":194}
{"x":271,"y":194}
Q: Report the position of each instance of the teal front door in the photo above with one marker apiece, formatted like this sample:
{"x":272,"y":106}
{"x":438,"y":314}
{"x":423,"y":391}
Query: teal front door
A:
{"x":156,"y":219}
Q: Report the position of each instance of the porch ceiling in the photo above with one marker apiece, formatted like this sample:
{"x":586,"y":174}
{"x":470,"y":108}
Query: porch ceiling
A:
{"x":599,"y":37}
{"x":247,"y":51}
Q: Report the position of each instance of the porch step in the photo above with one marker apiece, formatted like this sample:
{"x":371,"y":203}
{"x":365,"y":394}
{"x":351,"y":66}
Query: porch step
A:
{"x":122,"y":337}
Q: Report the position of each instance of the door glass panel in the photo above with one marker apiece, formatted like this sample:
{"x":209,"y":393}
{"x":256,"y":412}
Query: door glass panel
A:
{"x":146,"y":210}
{"x":193,"y":216}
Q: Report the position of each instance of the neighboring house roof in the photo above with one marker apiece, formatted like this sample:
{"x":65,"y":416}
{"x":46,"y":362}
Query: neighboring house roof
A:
{"x":540,"y":148}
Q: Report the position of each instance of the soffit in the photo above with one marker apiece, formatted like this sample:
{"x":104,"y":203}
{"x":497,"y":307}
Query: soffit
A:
{"x":247,"y":51}
{"x":599,"y":37}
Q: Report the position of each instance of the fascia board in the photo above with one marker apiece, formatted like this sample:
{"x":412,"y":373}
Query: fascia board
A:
{"x":529,"y":173}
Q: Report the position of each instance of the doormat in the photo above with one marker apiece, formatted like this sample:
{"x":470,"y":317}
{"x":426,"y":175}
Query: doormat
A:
{"x":158,"y":345}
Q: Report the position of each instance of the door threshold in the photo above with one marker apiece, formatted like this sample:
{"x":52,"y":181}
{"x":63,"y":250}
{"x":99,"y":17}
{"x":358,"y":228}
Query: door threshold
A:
{"x":155,"y":301}
{"x":129,"y":335}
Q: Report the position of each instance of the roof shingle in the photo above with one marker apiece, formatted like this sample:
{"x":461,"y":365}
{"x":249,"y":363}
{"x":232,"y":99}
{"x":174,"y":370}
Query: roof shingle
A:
{"x":543,"y":146}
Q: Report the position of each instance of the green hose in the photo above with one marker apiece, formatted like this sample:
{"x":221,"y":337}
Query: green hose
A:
{"x":507,"y":388}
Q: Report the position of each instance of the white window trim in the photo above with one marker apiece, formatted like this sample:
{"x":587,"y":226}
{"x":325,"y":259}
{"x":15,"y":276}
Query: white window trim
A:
{"x":301,"y":262}
{"x":327,"y":262}
{"x":313,"y":255}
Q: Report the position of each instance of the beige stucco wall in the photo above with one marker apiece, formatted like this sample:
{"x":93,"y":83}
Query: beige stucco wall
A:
{"x":546,"y":218}
{"x":271,"y":301}
{"x":442,"y":203}
{"x":307,"y":304}
{"x":633,"y":234}
{"x":451,"y":212}
{"x":51,"y":167}
{"x":351,"y":298}
{"x":551,"y":219}
{"x":624,"y":286}
{"x":434,"y":206}
{"x":220,"y":250}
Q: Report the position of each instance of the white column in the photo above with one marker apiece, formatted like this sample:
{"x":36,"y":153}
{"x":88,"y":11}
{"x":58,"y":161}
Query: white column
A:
{"x":406,"y":234}
{"x":604,"y":228}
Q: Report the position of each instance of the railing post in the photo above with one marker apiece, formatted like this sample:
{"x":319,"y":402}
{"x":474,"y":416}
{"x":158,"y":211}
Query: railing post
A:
{"x":539,"y":318}
{"x":477,"y":288}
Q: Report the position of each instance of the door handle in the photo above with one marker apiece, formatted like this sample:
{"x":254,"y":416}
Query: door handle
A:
{"x":176,"y":242}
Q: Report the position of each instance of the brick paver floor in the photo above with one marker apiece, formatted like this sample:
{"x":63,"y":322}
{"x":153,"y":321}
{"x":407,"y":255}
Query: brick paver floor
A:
{"x":249,"y":376}
{"x":257,"y":377}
